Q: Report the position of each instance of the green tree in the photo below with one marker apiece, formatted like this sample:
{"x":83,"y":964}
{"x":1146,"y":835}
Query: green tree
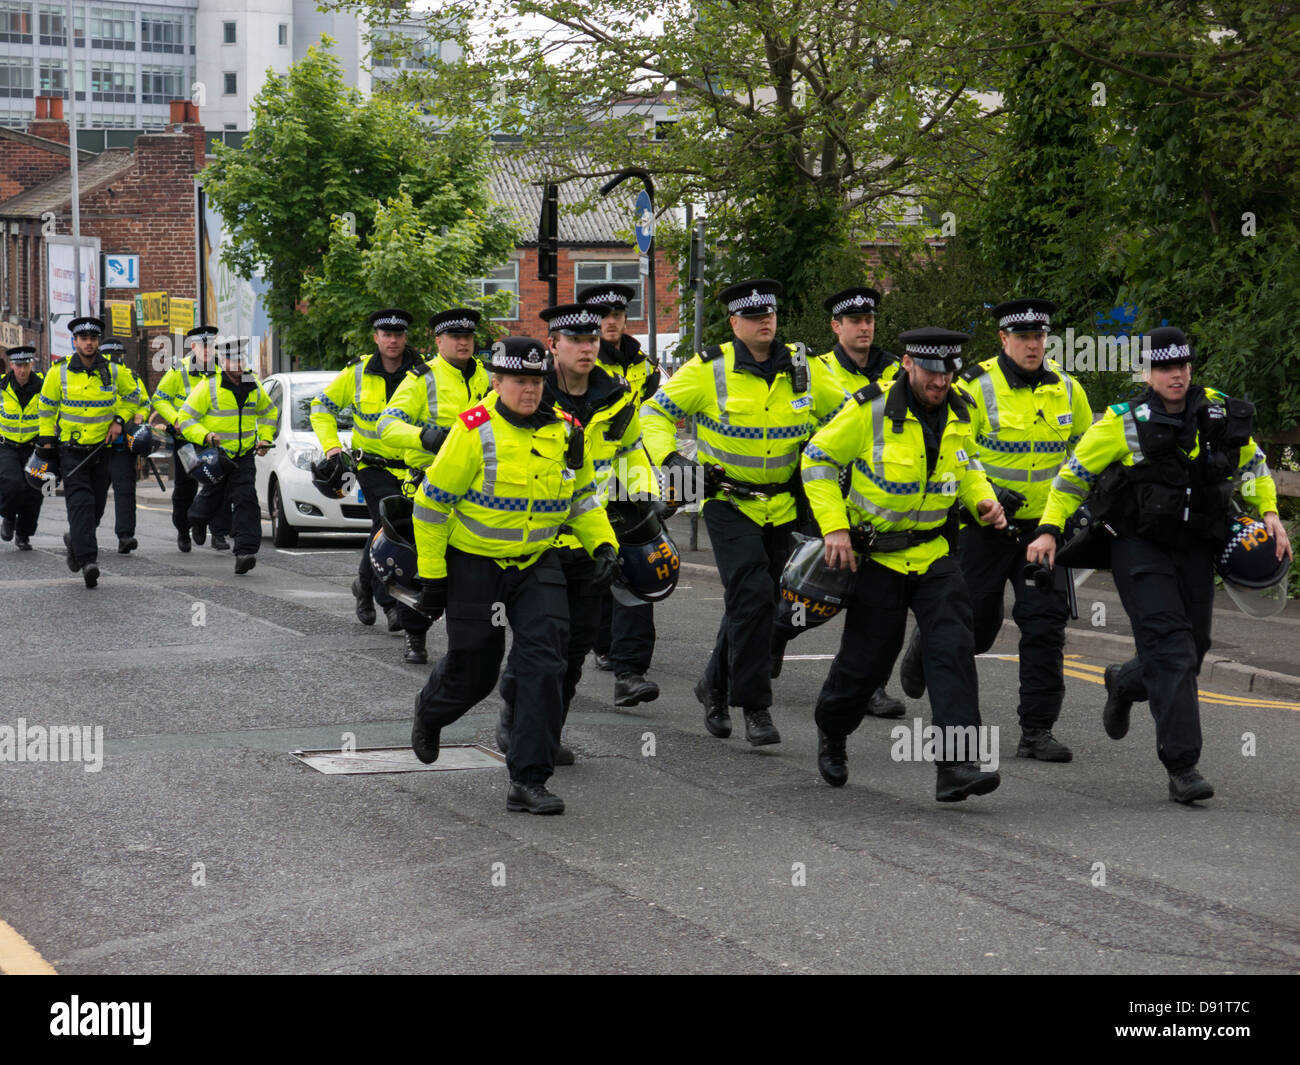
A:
{"x":338,"y":200}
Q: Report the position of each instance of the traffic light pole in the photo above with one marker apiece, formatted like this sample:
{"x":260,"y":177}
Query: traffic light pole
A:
{"x":651,"y":311}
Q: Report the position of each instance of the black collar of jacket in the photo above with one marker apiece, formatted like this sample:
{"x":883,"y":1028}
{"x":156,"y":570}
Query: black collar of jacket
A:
{"x":778,"y":359}
{"x":76,"y":365}
{"x":877,"y":360}
{"x":541,"y":417}
{"x":1016,"y":377}
{"x":375,"y":364}
{"x":1185,"y":422}
{"x":603,"y":388}
{"x":896,"y":403}
{"x":624,"y":353}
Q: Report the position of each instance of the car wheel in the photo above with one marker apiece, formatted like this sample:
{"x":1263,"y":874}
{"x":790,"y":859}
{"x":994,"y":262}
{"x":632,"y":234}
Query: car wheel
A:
{"x":282,"y":533}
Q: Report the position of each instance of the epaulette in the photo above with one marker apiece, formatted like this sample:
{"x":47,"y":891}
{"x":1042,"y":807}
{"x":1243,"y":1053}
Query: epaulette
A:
{"x":475,"y":416}
{"x":972,"y":372}
{"x":713,"y":351}
{"x":1120,"y":408}
{"x":419,"y":367}
{"x":867,"y":393}
{"x":568,"y":417}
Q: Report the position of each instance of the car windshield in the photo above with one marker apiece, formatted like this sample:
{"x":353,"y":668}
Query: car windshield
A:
{"x":302,"y":397}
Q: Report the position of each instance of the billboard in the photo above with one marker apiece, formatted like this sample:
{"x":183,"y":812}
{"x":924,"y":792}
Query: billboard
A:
{"x":59,"y":283}
{"x":235,"y":306}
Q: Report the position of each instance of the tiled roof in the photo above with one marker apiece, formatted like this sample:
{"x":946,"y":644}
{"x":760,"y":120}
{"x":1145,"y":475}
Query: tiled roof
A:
{"x":514,"y":185}
{"x":55,"y":194}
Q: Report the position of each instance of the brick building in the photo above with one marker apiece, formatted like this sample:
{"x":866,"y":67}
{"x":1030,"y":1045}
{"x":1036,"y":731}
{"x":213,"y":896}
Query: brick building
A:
{"x":138,"y":200}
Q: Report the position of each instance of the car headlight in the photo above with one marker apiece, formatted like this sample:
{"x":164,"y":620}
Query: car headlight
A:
{"x":303,"y":455}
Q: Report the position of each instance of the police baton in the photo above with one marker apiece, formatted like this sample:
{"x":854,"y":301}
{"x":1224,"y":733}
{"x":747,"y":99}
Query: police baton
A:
{"x":156,"y":475}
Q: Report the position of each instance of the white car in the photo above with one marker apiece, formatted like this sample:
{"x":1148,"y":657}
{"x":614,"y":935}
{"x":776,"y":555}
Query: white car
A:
{"x":294,"y":504}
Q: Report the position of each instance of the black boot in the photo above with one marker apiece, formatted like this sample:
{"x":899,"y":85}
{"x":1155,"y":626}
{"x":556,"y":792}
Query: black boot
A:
{"x":126,"y":544}
{"x":759,"y":730}
{"x":563,"y":755}
{"x":183,"y":541}
{"x":390,"y":615}
{"x":717,"y":719}
{"x":533,"y":799}
{"x":832,"y":759}
{"x":632,"y":688}
{"x":1187,"y":786}
{"x":963,"y":779}
{"x":602,"y":662}
{"x":23,"y":543}
{"x":416,"y":653}
{"x":243,"y":563}
{"x":1041,"y":744}
{"x":882,"y":704}
{"x":1114,"y":719}
{"x":365,"y":605}
{"x":90,"y":574}
{"x":911,"y":671}
{"x":198,"y":532}
{"x":220,"y":543}
{"x":72,"y":562}
{"x":424,"y":742}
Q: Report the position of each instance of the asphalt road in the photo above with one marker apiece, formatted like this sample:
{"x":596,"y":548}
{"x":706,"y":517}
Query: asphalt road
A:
{"x":202,"y":845}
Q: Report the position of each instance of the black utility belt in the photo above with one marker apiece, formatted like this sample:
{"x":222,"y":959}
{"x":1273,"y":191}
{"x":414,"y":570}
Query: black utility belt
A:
{"x":376,"y":460}
{"x":768,"y":489}
{"x":867,"y":540}
{"x":16,"y":445}
{"x":65,"y":445}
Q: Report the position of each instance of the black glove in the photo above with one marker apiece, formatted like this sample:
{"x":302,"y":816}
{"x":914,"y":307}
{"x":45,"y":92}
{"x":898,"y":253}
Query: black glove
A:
{"x":431,"y":438}
{"x":47,"y":450}
{"x":606,"y":568}
{"x":683,"y":479}
{"x":433,"y":597}
{"x":660,"y":509}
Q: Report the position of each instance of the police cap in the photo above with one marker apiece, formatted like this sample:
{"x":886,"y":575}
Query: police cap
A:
{"x":1025,"y":316}
{"x":519,"y":355}
{"x":1169,"y":346}
{"x":752,"y":299}
{"x":86,"y":327}
{"x":933,"y":349}
{"x":391,"y":320}
{"x":574,"y":319}
{"x":615,"y":297}
{"x":20,"y":355}
{"x":856,"y":300}
{"x":458,"y":321}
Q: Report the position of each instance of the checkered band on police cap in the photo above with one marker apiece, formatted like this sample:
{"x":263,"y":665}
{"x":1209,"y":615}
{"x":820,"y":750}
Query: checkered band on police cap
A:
{"x":1169,"y":345}
{"x":575,"y":318}
{"x":855,"y":300}
{"x":21,"y":355}
{"x":519,"y":355}
{"x":393,"y":320}
{"x":460,"y":320}
{"x":614,"y":296}
{"x":1024,"y":318}
{"x":1025,"y":315}
{"x":86,"y":327}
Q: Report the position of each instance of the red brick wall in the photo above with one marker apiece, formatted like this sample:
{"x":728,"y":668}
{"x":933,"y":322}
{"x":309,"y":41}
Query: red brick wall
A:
{"x":23,"y":166}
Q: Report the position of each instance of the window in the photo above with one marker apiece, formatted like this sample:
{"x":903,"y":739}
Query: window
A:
{"x":502,"y":279}
{"x":162,"y":33}
{"x":624,"y":271}
{"x":15,"y":22}
{"x":227,"y":33}
{"x":284,"y":34}
{"x":51,"y":26}
{"x":112,"y":29}
{"x":232,"y":83}
{"x":158,"y":85}
{"x":113,"y":82}
{"x":15,"y":77}
{"x":229,"y":125}
{"x":54,"y":78}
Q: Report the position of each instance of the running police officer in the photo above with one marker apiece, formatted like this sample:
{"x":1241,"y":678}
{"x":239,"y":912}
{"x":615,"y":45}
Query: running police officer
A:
{"x":421,"y":412}
{"x":121,"y":459}
{"x":911,"y":453}
{"x":232,"y":411}
{"x":508,"y":477}
{"x":173,"y":390}
{"x":20,"y":503}
{"x":625,"y":643}
{"x":1027,"y":415}
{"x":605,"y":408}
{"x":1162,"y":471}
{"x":84,"y":404}
{"x":857,"y":361}
{"x":755,"y":401}
{"x":367,"y":387}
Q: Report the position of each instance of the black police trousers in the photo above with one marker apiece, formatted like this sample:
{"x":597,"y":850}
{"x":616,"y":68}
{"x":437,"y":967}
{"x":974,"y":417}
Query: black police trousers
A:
{"x":86,"y":494}
{"x":20,"y":503}
{"x":1168,"y":593}
{"x":988,"y":559}
{"x":121,"y":473}
{"x":480,"y":596}
{"x":376,"y":483}
{"x":632,"y":637}
{"x":584,"y":620}
{"x":874,"y":623}
{"x":750,"y":558}
{"x":233,"y":503}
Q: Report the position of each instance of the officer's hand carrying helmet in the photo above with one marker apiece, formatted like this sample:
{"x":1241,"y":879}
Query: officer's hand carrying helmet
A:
{"x":41,"y":472}
{"x":648,"y":563}
{"x":392,"y":549}
{"x":140,"y":439}
{"x":811,"y":591}
{"x":204,"y":465}
{"x":1253,"y":575}
{"x":329,"y":475}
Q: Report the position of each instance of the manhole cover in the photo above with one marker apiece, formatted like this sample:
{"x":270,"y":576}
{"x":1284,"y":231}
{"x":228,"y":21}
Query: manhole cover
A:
{"x":401,"y":759}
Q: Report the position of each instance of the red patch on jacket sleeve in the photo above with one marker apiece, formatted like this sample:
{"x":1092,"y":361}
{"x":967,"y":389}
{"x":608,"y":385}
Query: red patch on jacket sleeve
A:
{"x":475,"y":416}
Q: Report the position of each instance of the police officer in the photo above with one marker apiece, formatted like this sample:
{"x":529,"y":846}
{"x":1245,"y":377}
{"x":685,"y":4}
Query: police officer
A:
{"x":1162,"y":470}
{"x":755,"y":401}
{"x":422,"y":410}
{"x":1027,"y":415}
{"x":625,"y":642}
{"x":20,"y":503}
{"x":84,"y":404}
{"x":121,"y":460}
{"x":856,"y":361}
{"x":232,"y":411}
{"x":910,"y":449}
{"x":511,"y":473}
{"x":367,"y":387}
{"x":606,"y":408}
{"x":173,"y":390}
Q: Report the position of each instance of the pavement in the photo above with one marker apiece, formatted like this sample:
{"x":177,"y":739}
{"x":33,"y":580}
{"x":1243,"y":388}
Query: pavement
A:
{"x":201,"y":844}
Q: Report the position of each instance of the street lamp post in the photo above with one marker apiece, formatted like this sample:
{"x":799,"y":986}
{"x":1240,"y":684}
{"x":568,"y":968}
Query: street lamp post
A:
{"x":651,"y":314}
